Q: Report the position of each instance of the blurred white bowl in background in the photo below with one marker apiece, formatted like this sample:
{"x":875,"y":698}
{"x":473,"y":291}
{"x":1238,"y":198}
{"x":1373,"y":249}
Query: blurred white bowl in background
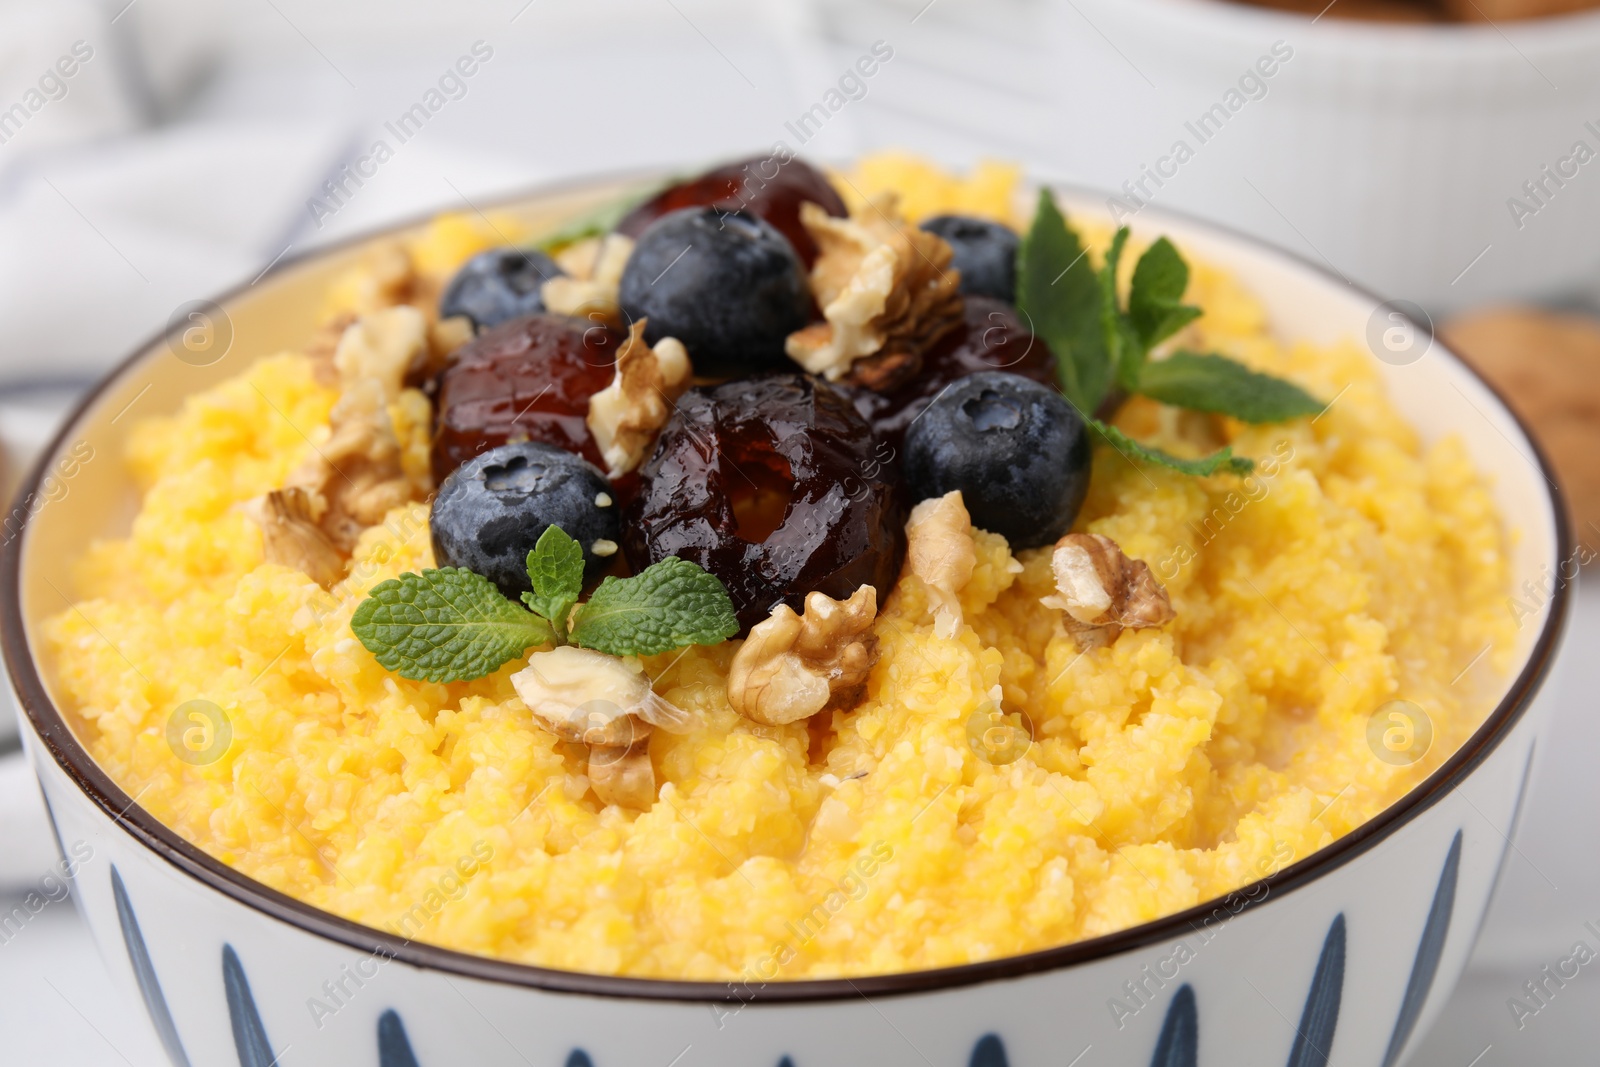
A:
{"x":1391,"y":152}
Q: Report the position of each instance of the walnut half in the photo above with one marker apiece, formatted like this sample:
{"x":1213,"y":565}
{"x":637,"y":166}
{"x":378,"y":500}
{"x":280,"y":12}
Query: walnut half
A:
{"x":886,"y":290}
{"x":594,"y":275}
{"x":588,"y":697}
{"x":357,"y":476}
{"x":793,"y":666}
{"x":941,"y":552}
{"x":291,"y":537}
{"x":1104,"y":592}
{"x":625,"y":416}
{"x":623,"y":775}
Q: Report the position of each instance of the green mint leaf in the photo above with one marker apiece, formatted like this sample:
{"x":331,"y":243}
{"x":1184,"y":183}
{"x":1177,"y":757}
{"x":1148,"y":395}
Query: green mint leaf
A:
{"x":1125,"y":348}
{"x":665,"y":606}
{"x":1155,"y":300}
{"x":1060,"y":297}
{"x":555,"y":566}
{"x":445,"y":625}
{"x":1221,"y":460}
{"x":600,"y":220}
{"x":1218,"y":384}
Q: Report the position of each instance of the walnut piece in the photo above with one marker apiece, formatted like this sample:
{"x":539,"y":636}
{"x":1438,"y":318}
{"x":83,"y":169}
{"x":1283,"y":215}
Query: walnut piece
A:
{"x":381,"y":345}
{"x":941,"y":552}
{"x":623,"y":775}
{"x":1104,"y":592}
{"x":588,"y":697}
{"x":323,"y":344}
{"x":357,"y":476}
{"x":290,"y":535}
{"x":592,"y":292}
{"x":385,"y":278}
{"x":578,"y":258}
{"x":793,"y":666}
{"x":582,"y":695}
{"x":625,"y":416}
{"x":887,"y":292}
{"x":447,"y":335}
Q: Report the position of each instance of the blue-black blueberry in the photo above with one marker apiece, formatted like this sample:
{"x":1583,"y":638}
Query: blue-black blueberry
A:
{"x":492,"y":509}
{"x":985,"y":254}
{"x":725,"y":283}
{"x":1015,"y":448}
{"x":498,"y":285}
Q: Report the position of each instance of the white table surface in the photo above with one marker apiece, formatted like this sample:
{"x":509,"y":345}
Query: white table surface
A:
{"x":149,"y":221}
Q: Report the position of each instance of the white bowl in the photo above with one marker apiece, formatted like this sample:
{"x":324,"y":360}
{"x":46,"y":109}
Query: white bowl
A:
{"x":1350,"y":951}
{"x":1387,"y":152}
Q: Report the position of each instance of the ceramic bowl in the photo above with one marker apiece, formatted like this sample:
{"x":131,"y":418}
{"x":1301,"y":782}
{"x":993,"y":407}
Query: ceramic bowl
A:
{"x":1434,"y":163}
{"x":1342,"y":958}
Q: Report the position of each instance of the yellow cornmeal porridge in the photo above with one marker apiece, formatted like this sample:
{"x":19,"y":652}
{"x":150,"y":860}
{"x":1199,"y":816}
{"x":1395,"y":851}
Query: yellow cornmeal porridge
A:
{"x":1355,"y":567}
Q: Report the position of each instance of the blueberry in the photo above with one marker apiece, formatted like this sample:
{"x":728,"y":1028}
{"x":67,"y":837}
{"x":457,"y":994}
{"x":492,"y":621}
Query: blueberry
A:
{"x":1016,"y":449}
{"x":498,"y":285}
{"x":985,"y":254}
{"x":725,"y":283}
{"x":489,"y":513}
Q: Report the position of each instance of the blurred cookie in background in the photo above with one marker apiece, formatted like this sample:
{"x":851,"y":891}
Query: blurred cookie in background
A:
{"x":1369,"y":10}
{"x":1506,"y":10}
{"x":1547,"y":365}
{"x":1431,"y":10}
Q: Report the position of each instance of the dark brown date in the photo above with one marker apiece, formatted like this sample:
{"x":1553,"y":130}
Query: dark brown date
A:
{"x":766,"y":187}
{"x":527,"y":379}
{"x":992,"y":336}
{"x":777,"y":487}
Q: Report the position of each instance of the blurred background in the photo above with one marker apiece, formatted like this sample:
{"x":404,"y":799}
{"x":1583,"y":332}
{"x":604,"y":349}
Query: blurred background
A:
{"x":1445,"y":153}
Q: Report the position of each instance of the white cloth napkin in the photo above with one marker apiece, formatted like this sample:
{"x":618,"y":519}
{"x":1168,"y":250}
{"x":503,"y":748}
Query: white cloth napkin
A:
{"x":98,"y":244}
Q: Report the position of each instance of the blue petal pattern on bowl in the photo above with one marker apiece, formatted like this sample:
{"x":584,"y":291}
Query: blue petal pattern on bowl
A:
{"x":988,"y":1052}
{"x":1314,"y":1037}
{"x":144,"y":972}
{"x":249,"y":1035}
{"x":1179,"y":1043}
{"x":1429,"y":949}
{"x":394,"y":1048}
{"x":1176,"y":1046}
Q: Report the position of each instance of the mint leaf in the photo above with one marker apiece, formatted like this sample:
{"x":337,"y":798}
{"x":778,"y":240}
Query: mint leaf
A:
{"x":1060,"y":296}
{"x":600,"y":220}
{"x":1221,"y":460}
{"x":1218,"y":384}
{"x":665,"y":606}
{"x":555,"y":566}
{"x":444,"y":625}
{"x":1126,"y":350}
{"x":1155,"y":300}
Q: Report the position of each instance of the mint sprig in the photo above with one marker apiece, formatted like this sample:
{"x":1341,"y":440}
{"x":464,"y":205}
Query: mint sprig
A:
{"x":1099,"y":343}
{"x":1155,"y":299}
{"x":665,"y":606}
{"x":452,"y":625}
{"x":1222,"y":459}
{"x":1212,"y":383}
{"x":601,"y":219}
{"x":1123,"y":343}
{"x":444,"y":625}
{"x":555,"y":566}
{"x":1058,"y":291}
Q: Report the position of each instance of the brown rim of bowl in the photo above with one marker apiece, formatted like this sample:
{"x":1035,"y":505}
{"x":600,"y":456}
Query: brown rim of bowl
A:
{"x":70,"y":755}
